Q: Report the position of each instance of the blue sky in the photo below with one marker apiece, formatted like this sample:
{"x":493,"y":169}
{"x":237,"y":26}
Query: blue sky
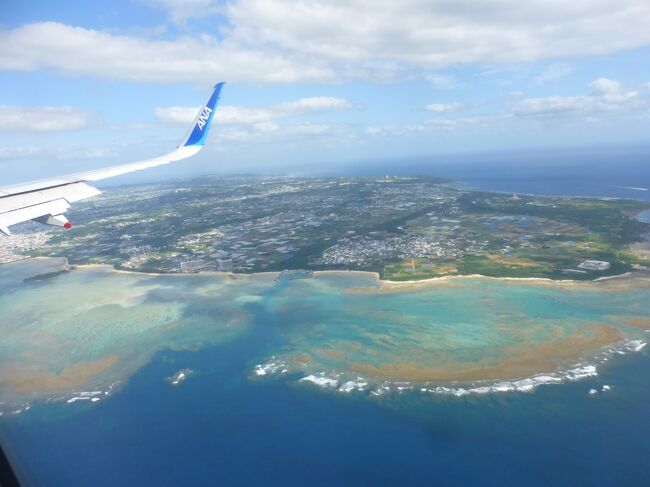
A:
{"x":83,"y":85}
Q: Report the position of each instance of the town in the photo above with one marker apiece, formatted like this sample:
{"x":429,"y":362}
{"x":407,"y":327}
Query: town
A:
{"x":401,"y":227}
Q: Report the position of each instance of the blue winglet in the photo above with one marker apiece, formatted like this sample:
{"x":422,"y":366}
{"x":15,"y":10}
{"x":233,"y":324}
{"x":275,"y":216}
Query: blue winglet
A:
{"x":204,"y":119}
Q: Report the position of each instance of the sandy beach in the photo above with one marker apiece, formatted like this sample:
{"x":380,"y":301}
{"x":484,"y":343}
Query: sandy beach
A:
{"x":618,"y":282}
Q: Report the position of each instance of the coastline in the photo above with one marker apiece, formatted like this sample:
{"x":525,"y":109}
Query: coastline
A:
{"x":627,"y":276}
{"x":625,"y":279}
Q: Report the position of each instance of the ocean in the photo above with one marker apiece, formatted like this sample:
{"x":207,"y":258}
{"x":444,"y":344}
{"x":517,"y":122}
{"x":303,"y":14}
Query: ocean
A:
{"x":267,"y":401}
{"x":611,"y":172}
{"x":219,"y":428}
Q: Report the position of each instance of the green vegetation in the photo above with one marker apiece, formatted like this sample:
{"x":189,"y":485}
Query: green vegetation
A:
{"x":404,"y":228}
{"x":609,"y":219}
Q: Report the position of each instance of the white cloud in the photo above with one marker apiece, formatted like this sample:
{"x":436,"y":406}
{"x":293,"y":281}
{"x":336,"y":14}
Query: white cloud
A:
{"x":443,"y":107}
{"x":551,"y":105}
{"x":261,"y":116}
{"x":313,"y":104}
{"x":606,"y":95}
{"x":79,"y":51}
{"x":273,"y":133}
{"x":243,"y":124}
{"x":177,"y":115}
{"x":434,"y":34}
{"x":41,"y":119}
{"x":233,"y":115}
{"x":457,"y":122}
{"x":604,"y":86}
{"x":283,"y":41}
{"x":553,"y":72}
{"x":228,"y":115}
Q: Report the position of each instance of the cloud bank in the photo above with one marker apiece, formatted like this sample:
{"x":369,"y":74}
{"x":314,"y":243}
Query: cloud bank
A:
{"x":41,"y":119}
{"x":315,"y":41}
{"x":442,"y":107}
{"x":234,"y":115}
{"x":605,"y":95}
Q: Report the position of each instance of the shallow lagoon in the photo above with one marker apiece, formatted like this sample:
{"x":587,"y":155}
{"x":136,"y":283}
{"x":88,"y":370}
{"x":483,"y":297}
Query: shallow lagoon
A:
{"x":92,"y":328}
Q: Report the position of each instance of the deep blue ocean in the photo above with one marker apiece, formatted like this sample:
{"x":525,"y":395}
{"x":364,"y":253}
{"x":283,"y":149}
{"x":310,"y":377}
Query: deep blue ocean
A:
{"x":615,"y":172}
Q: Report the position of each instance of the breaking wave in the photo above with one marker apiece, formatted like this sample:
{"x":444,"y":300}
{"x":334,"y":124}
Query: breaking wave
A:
{"x":340,"y":382}
{"x":93,"y":396}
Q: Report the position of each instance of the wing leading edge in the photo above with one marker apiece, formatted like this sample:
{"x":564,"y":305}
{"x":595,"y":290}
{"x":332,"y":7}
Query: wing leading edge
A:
{"x":46,"y":200}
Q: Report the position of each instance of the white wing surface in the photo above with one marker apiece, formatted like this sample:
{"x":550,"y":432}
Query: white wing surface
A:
{"x":46,"y":200}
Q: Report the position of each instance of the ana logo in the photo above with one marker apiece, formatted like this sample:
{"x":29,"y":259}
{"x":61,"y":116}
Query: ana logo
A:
{"x":204,"y":117}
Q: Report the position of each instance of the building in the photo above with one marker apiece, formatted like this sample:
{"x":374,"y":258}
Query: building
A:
{"x":594,"y":265}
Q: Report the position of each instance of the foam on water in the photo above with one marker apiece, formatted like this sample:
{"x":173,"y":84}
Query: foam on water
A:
{"x":636,"y":345}
{"x":270,"y":368}
{"x":359,"y":384}
{"x":321,"y":380}
{"x":179,"y":377}
{"x":528,"y":384}
{"x":338,"y":381}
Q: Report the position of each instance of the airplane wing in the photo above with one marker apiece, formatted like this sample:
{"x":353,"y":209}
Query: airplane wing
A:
{"x":46,"y":200}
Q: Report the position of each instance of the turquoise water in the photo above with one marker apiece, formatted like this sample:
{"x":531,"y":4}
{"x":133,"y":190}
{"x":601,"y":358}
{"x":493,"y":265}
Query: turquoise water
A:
{"x":460,"y":322}
{"x":335,"y":379}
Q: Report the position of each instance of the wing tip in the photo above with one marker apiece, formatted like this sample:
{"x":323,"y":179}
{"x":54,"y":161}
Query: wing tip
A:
{"x":203,"y":121}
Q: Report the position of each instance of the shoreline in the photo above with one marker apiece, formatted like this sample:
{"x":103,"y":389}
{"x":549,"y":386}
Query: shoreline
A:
{"x":627,"y":276}
{"x":618,"y":279}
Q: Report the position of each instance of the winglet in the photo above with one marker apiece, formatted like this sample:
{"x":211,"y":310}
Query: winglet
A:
{"x":203,"y":120}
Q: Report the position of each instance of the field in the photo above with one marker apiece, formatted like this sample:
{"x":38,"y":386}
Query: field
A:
{"x":405,"y":228}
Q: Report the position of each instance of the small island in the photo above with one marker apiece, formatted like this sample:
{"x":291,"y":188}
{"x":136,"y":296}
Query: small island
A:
{"x":179,"y":377}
